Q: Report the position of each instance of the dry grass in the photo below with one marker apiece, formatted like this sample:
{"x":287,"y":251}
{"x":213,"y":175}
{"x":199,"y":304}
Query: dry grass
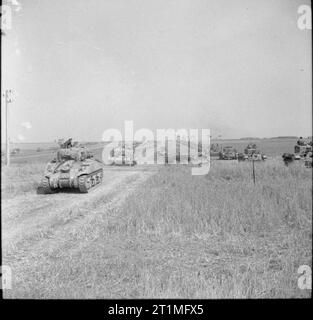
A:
{"x":216,"y":236}
{"x":21,"y":178}
{"x":181,"y":236}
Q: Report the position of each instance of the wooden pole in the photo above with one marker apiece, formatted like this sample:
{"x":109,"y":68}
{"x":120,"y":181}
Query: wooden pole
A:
{"x":123,"y":152}
{"x":178,"y":149}
{"x":188,"y":149}
{"x":253,"y":171}
{"x":7,"y":100}
{"x":155,"y":148}
{"x":166,"y":150}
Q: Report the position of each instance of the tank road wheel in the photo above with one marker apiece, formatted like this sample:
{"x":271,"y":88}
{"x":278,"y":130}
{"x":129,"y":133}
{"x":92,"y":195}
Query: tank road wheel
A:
{"x":45,"y":185}
{"x":83,"y":184}
{"x":99,"y":177}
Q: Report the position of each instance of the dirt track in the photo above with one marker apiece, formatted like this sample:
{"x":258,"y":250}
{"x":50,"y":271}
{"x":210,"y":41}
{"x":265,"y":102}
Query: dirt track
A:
{"x":31,"y":222}
{"x":32,"y":213}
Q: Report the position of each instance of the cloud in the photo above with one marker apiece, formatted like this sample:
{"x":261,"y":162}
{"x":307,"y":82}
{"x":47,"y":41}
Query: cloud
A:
{"x":26,"y":125}
{"x":17,"y":5}
{"x":20,"y":137}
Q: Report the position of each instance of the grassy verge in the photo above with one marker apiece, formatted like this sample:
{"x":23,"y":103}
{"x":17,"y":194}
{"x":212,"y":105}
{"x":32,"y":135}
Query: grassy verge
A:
{"x":19,"y":179}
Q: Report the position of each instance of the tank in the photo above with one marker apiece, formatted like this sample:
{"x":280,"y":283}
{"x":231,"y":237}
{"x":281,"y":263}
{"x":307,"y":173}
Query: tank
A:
{"x":123,"y":155}
{"x":215,"y":150}
{"x":252,"y":153}
{"x":228,"y":153}
{"x":242,"y":157}
{"x":308,"y":161}
{"x":288,"y":158}
{"x":301,"y":151}
{"x":304,"y":152}
{"x":73,"y":168}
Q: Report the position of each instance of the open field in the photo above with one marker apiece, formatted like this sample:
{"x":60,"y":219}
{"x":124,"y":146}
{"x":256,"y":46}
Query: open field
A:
{"x":158,"y":232}
{"x":28,"y":153}
{"x":270,"y":147}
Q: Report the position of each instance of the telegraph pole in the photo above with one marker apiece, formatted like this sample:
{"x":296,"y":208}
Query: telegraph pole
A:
{"x":8,"y":99}
{"x":253,"y":170}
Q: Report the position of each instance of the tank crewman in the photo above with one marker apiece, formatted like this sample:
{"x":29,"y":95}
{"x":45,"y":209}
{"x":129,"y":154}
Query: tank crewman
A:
{"x":67,"y":144}
{"x":300,"y":142}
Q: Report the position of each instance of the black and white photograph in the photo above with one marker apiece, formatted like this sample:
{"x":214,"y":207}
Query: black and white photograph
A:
{"x":156,"y":149}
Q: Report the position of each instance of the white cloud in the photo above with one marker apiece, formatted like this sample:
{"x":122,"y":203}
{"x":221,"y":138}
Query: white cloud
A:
{"x":17,"y":5}
{"x":20,"y":137}
{"x":26,"y":125}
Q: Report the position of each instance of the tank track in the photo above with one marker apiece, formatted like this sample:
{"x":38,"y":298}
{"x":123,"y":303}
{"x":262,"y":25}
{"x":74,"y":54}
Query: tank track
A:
{"x":45,"y":185}
{"x":89,"y":181}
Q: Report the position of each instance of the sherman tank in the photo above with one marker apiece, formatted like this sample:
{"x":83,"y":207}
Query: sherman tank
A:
{"x":303,"y":152}
{"x":228,"y":153}
{"x":73,"y":168}
{"x":252,"y":153}
{"x":215,"y":150}
{"x":123,"y":155}
{"x":308,"y":161}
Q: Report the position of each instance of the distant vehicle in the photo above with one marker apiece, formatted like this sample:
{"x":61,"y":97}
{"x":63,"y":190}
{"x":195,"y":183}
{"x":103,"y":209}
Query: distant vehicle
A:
{"x":228,"y":153}
{"x":242,"y":157}
{"x":39,"y":149}
{"x":215,"y":150}
{"x":288,"y":158}
{"x":123,"y":156}
{"x":15,"y":151}
{"x":252,"y":153}
{"x":302,"y":152}
{"x":308,"y":161}
{"x":74,"y":167}
{"x":123,"y":161}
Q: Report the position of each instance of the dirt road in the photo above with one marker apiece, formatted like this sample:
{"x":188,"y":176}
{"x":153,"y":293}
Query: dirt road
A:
{"x":34,"y":225}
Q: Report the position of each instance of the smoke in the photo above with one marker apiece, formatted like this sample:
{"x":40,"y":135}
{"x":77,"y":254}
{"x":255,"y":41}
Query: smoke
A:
{"x":27,"y":125}
{"x":20,"y":137}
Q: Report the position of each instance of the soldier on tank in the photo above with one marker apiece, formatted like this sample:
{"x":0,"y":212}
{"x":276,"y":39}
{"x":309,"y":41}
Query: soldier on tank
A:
{"x":67,"y":144}
{"x":300,"y":141}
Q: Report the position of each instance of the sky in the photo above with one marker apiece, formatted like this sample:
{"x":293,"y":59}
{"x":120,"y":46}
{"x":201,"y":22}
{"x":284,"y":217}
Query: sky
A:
{"x":238,"y":67}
